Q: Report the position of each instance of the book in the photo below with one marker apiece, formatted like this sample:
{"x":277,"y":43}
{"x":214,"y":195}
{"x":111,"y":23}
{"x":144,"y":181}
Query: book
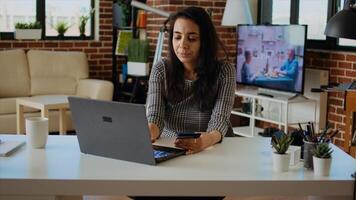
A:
{"x":9,"y":147}
{"x":123,"y":39}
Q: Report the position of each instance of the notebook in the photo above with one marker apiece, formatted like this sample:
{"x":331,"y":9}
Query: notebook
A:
{"x":116,"y":130}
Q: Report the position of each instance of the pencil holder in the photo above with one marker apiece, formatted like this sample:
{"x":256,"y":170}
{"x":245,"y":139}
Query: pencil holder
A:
{"x":308,"y":154}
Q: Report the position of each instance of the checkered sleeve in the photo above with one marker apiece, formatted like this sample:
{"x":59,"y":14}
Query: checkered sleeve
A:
{"x":220,"y":118}
{"x":155,"y":98}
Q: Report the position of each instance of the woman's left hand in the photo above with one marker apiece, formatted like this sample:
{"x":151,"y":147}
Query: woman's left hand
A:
{"x":195,"y":145}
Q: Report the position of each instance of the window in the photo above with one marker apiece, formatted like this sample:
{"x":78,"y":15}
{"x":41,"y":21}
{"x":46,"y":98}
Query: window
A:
{"x":69,"y":12}
{"x":314,"y":13}
{"x":49,"y":13}
{"x":13,"y":11}
{"x":280,"y":11}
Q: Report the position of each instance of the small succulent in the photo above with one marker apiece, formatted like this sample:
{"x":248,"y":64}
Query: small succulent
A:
{"x":83,"y":20}
{"x":62,"y":27}
{"x":30,"y":25}
{"x":281,"y":143}
{"x":322,"y":150}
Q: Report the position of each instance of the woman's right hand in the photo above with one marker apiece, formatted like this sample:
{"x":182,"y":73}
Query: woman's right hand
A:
{"x":154,"y":131}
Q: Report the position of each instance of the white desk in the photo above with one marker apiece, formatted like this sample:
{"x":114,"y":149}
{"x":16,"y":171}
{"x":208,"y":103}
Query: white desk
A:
{"x":237,"y":167}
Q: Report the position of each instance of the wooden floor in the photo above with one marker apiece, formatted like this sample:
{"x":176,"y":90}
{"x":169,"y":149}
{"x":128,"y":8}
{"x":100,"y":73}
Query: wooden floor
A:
{"x":126,"y":198}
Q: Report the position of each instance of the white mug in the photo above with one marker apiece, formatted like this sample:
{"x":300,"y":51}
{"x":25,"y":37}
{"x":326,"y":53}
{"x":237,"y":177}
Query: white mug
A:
{"x":37,"y":131}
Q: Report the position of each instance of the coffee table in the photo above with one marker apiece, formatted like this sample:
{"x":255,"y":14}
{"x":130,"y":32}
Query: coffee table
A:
{"x":43,"y":103}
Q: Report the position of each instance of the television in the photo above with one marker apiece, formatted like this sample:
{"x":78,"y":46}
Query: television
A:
{"x":271,"y":56}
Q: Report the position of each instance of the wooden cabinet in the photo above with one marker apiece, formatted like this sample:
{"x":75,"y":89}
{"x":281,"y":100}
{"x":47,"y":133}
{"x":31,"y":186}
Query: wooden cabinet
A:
{"x":350,"y":129}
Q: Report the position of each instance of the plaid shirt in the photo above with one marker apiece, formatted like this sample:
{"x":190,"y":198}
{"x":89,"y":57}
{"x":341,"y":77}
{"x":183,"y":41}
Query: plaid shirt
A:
{"x":185,"y":114}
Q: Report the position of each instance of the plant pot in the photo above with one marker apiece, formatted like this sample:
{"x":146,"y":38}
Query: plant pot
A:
{"x":28,"y":34}
{"x":137,"y":68}
{"x":61,"y":36}
{"x":281,"y":162}
{"x":321,"y":166}
{"x":82,"y":36}
{"x":309,"y":147}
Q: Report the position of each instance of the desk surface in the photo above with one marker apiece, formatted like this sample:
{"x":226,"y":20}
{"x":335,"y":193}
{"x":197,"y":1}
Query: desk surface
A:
{"x":238,"y":166}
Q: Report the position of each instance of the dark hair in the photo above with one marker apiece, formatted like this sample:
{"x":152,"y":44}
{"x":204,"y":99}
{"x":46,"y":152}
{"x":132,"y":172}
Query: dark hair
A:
{"x":247,"y":53}
{"x":208,"y":67}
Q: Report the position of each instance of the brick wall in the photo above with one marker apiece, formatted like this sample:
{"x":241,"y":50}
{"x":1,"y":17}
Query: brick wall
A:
{"x":342,"y":69}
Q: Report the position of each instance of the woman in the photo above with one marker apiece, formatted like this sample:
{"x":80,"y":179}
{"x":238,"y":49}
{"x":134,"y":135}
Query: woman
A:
{"x":191,"y":91}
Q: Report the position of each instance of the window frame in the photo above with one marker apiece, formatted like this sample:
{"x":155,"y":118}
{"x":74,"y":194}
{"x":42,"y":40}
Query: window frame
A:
{"x":41,"y":17}
{"x":265,"y":16}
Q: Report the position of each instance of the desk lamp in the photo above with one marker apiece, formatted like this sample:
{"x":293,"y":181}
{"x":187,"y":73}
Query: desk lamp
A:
{"x":342,"y":24}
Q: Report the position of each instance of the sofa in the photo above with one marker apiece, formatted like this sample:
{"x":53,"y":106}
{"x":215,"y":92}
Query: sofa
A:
{"x":43,"y":73}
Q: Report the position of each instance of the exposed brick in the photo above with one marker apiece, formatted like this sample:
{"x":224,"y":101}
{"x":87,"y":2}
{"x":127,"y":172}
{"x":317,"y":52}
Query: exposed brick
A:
{"x":335,"y":118}
{"x":343,"y":80}
{"x":345,"y":65}
{"x":95,"y":44}
{"x":20,"y":45}
{"x":176,"y":2}
{"x":51,"y":44}
{"x":336,"y":102}
{"x":219,"y":4}
{"x":339,"y":143}
{"x":191,"y":3}
{"x":66,"y":44}
{"x":5,"y":44}
{"x":338,"y":56}
{"x":351,"y":58}
{"x":330,"y":63}
{"x":351,"y":73}
{"x":340,"y":111}
{"x":331,"y":109}
{"x":35,"y":45}
{"x":335,"y":72}
{"x":92,"y":50}
{"x":318,"y":63}
{"x":81,"y":44}
{"x":205,"y":3}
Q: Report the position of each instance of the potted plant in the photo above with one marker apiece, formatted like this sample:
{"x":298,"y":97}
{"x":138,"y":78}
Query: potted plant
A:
{"x":61,"y":27}
{"x":138,"y":52}
{"x":322,"y":159}
{"x":83,"y":20}
{"x":281,"y":157}
{"x":28,"y":30}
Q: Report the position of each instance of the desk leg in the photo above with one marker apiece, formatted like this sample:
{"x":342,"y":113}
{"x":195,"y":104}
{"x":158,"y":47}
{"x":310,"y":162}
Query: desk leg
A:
{"x":62,"y":121}
{"x":20,"y":119}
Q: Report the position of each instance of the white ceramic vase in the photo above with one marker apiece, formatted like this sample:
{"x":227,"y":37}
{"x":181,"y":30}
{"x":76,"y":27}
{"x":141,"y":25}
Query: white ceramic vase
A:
{"x":281,"y":162}
{"x":321,"y":166}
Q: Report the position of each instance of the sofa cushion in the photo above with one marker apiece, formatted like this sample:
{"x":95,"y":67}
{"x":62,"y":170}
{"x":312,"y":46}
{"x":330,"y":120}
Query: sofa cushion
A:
{"x":14,"y":74}
{"x":56,"y":72}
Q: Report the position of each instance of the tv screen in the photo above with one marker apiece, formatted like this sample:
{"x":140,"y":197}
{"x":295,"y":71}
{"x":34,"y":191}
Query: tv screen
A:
{"x":271,"y":56}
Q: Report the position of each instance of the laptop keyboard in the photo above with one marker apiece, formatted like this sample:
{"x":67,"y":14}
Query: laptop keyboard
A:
{"x":160,"y":154}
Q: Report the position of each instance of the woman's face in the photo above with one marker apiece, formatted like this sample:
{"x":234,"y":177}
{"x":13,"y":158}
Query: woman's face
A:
{"x":186,"y":41}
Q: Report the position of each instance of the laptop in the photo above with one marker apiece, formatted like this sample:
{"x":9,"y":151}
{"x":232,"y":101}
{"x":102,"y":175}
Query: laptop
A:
{"x":116,"y":130}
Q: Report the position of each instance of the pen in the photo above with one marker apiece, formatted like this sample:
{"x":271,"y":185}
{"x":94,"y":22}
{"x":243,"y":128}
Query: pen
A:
{"x":300,"y":127}
{"x":312,"y":128}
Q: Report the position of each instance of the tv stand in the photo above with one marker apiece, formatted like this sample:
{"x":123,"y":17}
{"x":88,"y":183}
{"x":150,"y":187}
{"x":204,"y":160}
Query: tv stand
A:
{"x":265,"y":94}
{"x":278,"y":109}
